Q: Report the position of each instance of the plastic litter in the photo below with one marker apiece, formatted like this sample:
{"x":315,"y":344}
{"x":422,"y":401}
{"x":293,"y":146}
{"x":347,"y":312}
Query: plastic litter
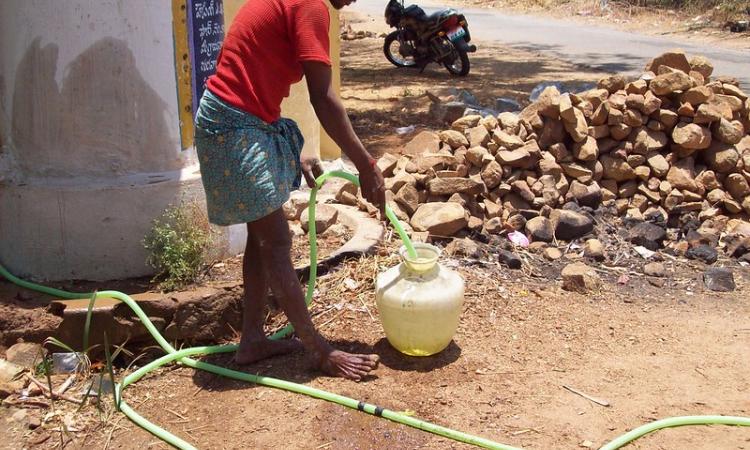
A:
{"x":405,"y":130}
{"x":644,"y":252}
{"x":66,"y":362}
{"x":100,"y":385}
{"x":518,"y":239}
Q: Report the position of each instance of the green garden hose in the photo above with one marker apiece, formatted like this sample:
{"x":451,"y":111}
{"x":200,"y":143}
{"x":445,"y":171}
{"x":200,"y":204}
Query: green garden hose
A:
{"x":182,"y":356}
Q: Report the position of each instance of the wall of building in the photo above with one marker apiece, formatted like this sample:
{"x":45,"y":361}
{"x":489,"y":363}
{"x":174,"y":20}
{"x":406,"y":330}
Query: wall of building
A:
{"x":91,"y":143}
{"x":90,"y":149}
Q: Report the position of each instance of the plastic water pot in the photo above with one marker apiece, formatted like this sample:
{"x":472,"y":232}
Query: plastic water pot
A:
{"x":419,"y":302}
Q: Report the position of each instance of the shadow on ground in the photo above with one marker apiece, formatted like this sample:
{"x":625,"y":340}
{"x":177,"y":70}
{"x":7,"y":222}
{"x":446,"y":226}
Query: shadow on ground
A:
{"x":381,"y":98}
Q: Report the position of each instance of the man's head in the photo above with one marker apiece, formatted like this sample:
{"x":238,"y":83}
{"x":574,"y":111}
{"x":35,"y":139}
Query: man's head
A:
{"x":338,"y":4}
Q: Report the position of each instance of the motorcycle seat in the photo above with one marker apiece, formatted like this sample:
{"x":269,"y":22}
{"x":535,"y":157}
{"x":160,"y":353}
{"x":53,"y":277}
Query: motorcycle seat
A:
{"x":418,"y":13}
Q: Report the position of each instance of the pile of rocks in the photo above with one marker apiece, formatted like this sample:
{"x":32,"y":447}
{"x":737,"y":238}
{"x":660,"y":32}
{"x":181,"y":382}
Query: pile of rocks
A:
{"x":671,"y":143}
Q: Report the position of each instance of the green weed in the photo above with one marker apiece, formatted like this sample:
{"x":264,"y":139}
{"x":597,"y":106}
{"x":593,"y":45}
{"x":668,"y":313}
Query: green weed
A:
{"x":178,"y":244}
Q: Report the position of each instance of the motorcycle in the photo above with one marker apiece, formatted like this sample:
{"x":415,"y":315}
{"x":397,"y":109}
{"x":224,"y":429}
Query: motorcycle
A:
{"x":442,"y":37}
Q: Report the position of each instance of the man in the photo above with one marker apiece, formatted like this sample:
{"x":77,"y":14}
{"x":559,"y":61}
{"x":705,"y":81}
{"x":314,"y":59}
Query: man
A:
{"x":250,"y":161}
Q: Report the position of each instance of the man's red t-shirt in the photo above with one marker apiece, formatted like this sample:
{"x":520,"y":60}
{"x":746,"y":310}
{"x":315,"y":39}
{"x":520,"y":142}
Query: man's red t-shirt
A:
{"x":263,"y":52}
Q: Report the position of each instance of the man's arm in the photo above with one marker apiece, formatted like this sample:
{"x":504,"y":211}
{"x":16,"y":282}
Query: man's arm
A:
{"x":332,"y":116}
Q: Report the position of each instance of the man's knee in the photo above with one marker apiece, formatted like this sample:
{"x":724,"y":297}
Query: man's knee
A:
{"x":275,"y":243}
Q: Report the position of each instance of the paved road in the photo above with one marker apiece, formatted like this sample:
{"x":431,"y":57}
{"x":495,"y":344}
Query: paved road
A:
{"x":598,"y":47}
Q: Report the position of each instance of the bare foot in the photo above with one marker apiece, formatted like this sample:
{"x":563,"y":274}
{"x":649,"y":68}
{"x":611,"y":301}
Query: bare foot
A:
{"x":253,"y":351}
{"x":348,"y":365}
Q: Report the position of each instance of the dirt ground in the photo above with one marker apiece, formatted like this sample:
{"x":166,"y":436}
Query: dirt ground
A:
{"x":651,"y":352}
{"x":651,"y":348}
{"x":381,"y":99}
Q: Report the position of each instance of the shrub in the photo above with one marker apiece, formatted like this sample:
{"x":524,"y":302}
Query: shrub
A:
{"x":178,"y":244}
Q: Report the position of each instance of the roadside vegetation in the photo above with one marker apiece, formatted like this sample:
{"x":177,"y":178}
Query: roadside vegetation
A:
{"x":717,"y":13}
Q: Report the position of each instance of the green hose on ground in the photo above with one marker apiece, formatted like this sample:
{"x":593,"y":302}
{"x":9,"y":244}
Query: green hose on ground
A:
{"x":182,"y":356}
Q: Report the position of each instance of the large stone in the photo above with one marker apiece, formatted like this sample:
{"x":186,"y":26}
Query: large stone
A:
{"x":692,"y":136}
{"x":466,"y":122}
{"x":478,"y":136}
{"x":734,"y":103}
{"x":325,"y":216}
{"x":509,"y":259}
{"x":520,"y":158}
{"x":408,"y":199}
{"x":737,"y":186}
{"x":697,"y":95}
{"x":721,"y":157}
{"x":719,"y":279}
{"x":393,"y":184}
{"x":612,"y":83}
{"x":11,"y":381}
{"x":651,"y":103}
{"x":493,"y":226}
{"x":453,"y":185}
{"x":703,"y":252}
{"x":448,"y":112}
{"x":579,"y":277}
{"x":616,"y":169}
{"x":577,"y":129}
{"x":424,"y":142}
{"x":509,"y":141}
{"x":463,"y":247}
{"x":24,"y":354}
{"x":548,"y":104}
{"x":668,"y":83}
{"x":729,"y":132}
{"x":492,"y":174}
{"x":552,"y":133}
{"x":566,"y":108}
{"x":673,"y":199}
{"x":682,"y":174}
{"x":509,"y":122}
{"x":549,"y":166}
{"x":659,"y":165}
{"x":522,"y":188}
{"x":540,"y":229}
{"x":577,"y":171}
{"x":387,"y":163}
{"x":712,"y":112}
{"x":702,"y":65}
{"x":570,"y":225}
{"x":646,"y":141}
{"x":584,"y":195}
{"x":586,"y":150}
{"x":647,"y":235}
{"x":440,"y":219}
{"x":674,"y":59}
{"x":454,"y":138}
{"x":476,"y":155}
{"x":655,"y":269}
{"x":730,"y":89}
{"x":593,"y":249}
{"x":346,"y":195}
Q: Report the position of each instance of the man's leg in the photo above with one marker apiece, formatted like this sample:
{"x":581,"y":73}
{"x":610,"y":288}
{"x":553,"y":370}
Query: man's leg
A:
{"x":272,"y":235}
{"x":254,"y":345}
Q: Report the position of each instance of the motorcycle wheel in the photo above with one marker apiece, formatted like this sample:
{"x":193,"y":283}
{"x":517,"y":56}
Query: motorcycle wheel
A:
{"x":391,"y":49}
{"x":460,"y":65}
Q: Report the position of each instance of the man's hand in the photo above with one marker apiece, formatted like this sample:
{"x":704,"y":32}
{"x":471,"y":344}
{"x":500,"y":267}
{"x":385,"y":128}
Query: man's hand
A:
{"x":373,"y":187}
{"x":311,"y":169}
{"x":332,"y":116}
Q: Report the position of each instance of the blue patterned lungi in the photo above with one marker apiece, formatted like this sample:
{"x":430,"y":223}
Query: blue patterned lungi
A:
{"x":248,"y":166}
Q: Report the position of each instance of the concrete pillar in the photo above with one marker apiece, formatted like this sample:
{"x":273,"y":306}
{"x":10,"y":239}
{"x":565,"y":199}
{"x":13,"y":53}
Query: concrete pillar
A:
{"x":95,"y":138}
{"x":90,"y":145}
